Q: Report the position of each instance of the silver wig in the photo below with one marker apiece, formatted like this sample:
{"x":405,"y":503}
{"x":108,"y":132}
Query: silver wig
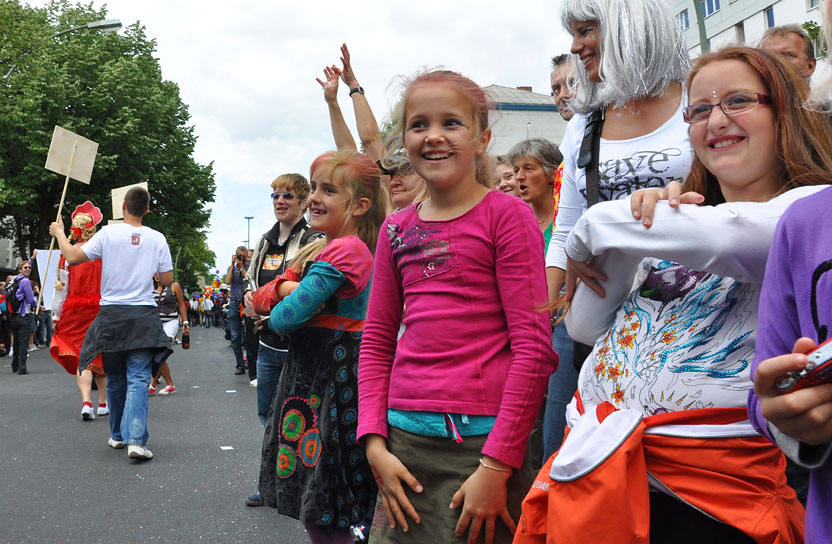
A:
{"x":642,"y":51}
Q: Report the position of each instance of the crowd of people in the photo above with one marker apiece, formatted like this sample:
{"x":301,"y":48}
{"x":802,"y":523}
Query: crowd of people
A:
{"x":576,"y":342}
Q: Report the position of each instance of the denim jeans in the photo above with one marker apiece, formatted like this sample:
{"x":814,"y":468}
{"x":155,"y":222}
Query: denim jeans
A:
{"x":44,"y":333}
{"x":562,"y":386}
{"x":269,"y":365}
{"x":236,"y":328}
{"x":128,"y":375}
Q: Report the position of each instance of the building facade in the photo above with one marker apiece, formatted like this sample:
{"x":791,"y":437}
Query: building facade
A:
{"x":519,"y":114}
{"x":740,"y":21}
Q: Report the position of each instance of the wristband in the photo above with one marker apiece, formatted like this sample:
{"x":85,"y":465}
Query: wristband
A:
{"x":492,"y":467}
{"x":186,"y":324}
{"x":359,"y":90}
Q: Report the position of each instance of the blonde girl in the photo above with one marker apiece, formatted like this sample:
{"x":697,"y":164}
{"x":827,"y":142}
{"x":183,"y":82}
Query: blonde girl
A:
{"x":312,"y":467}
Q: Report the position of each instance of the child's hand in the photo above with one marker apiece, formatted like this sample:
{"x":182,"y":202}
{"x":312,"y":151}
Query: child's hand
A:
{"x":483,"y":496}
{"x":390,"y":473}
{"x":643,"y":201}
{"x":805,"y":414}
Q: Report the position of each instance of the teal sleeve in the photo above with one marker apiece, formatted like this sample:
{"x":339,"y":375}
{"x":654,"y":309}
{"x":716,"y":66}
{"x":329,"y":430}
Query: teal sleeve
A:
{"x":300,"y":306}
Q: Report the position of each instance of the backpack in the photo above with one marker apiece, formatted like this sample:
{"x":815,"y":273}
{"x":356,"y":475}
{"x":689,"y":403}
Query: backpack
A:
{"x":12,"y":302}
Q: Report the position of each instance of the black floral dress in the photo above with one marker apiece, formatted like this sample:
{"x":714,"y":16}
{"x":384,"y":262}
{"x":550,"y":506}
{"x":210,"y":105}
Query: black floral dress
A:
{"x":312,"y":468}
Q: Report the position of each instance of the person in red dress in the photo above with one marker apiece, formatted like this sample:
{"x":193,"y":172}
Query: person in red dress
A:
{"x":74,"y":307}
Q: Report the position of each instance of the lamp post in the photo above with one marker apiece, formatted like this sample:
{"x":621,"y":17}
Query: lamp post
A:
{"x":104,"y":25}
{"x":248,"y":234}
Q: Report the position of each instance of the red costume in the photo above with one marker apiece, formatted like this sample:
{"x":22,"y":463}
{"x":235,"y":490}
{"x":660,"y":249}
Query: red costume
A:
{"x":82,"y":300}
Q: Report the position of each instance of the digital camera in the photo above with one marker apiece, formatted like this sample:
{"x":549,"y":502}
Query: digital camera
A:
{"x":818,"y":371}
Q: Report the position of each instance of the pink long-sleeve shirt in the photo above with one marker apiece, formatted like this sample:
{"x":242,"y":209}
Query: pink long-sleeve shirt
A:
{"x":476,"y":341}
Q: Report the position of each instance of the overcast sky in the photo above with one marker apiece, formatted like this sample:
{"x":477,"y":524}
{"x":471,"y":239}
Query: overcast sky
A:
{"x":247,"y":72}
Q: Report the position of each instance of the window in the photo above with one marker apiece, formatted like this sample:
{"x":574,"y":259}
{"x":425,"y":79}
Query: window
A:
{"x":770,"y":17}
{"x":813,"y":4}
{"x":740,"y":29}
{"x":709,"y":7}
{"x":684,"y":20}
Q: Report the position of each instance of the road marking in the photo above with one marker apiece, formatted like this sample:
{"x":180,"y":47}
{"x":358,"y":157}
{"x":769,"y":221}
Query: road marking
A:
{"x":230,"y":390}
{"x":226,"y":448}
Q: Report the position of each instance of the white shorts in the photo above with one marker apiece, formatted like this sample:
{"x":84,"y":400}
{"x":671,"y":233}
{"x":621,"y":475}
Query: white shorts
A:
{"x":171,"y":328}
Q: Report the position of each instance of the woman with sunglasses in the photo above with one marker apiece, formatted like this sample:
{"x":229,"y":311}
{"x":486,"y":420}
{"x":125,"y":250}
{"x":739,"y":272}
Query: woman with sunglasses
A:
{"x":274,"y":251}
{"x":667,"y":381}
{"x":19,"y":322}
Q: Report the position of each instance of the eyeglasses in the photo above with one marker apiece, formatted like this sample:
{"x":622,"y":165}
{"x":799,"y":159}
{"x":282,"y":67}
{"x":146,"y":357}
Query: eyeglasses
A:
{"x":286,"y":196}
{"x":26,"y":268}
{"x":730,"y":105}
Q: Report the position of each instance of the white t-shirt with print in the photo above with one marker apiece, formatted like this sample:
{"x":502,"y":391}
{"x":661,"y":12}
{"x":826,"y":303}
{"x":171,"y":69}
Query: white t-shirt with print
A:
{"x":652,"y":160}
{"x":130,"y":257}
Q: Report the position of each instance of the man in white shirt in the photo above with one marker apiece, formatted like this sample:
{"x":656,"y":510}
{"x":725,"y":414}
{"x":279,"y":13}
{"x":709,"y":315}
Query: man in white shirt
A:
{"x":127,"y":331}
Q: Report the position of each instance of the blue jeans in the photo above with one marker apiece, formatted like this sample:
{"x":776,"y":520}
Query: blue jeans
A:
{"x":269,"y":365}
{"x":562,"y":386}
{"x":235,"y":323}
{"x":44,"y":333}
{"x":128,"y":375}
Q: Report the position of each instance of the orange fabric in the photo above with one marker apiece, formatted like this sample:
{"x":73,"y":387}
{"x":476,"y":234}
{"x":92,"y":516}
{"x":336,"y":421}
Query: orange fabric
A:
{"x":336,"y":322}
{"x":266,"y":297}
{"x":740,"y":481}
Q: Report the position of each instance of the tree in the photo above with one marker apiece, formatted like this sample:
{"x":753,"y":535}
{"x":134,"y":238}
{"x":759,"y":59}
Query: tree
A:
{"x":108,"y":88}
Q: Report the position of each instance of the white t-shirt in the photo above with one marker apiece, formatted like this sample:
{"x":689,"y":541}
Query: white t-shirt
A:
{"x":208,"y":305}
{"x":675,"y":331}
{"x":130,"y":256}
{"x":652,"y":160}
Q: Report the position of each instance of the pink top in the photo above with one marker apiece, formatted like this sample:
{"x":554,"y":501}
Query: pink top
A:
{"x":463,"y":281}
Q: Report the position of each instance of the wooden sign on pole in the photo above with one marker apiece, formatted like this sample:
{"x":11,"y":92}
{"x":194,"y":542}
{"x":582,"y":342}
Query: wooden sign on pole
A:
{"x":118,"y":195}
{"x":72,"y":156}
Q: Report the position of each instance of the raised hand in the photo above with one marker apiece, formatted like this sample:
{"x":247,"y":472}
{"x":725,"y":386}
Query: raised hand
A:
{"x":346,"y":73}
{"x":329,"y":84}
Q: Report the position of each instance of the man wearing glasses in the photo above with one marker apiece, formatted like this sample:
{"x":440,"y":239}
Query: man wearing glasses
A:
{"x":19,"y":321}
{"x":236,"y":279}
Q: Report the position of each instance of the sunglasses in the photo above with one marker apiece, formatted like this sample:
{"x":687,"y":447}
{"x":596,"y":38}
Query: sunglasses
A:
{"x":26,"y":268}
{"x":286,"y":196}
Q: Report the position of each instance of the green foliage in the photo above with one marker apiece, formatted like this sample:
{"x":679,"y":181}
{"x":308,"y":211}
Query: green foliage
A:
{"x":815,"y":32}
{"x":107,"y":87}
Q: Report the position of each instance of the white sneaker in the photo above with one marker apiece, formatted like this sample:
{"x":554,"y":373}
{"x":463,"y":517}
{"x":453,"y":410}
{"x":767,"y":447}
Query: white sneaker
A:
{"x":115,"y":444}
{"x":33,"y":348}
{"x":135,"y":451}
{"x":103,"y":410}
{"x":253,"y":383}
{"x":86,"y":413}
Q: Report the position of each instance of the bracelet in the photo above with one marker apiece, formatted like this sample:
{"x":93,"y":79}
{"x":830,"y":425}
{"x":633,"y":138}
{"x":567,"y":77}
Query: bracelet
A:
{"x":359,"y":90}
{"x":498,"y":469}
{"x":186,"y":324}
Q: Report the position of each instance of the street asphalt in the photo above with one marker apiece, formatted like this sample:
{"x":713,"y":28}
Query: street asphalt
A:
{"x":61,"y":483}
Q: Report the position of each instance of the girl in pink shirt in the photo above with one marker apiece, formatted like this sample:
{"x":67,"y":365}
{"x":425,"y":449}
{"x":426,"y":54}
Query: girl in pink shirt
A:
{"x":451,"y":405}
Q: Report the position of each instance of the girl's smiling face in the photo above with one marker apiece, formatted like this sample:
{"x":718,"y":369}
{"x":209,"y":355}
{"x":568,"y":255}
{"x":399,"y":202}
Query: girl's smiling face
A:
{"x":441,"y":135}
{"x":586,"y":44}
{"x":329,"y":204}
{"x":738,"y":149}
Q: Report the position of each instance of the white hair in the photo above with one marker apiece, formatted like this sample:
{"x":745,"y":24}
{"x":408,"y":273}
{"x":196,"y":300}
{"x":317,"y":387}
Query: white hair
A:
{"x":821,"y":96}
{"x":641,"y":47}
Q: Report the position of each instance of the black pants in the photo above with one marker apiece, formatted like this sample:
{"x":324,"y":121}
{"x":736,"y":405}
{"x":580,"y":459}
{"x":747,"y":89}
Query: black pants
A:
{"x":21,"y":328}
{"x":252,"y":344}
{"x":674,"y":522}
{"x":5,"y":337}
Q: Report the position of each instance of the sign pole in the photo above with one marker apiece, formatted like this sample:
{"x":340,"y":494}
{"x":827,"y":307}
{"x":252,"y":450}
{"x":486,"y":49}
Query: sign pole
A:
{"x":60,"y":209}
